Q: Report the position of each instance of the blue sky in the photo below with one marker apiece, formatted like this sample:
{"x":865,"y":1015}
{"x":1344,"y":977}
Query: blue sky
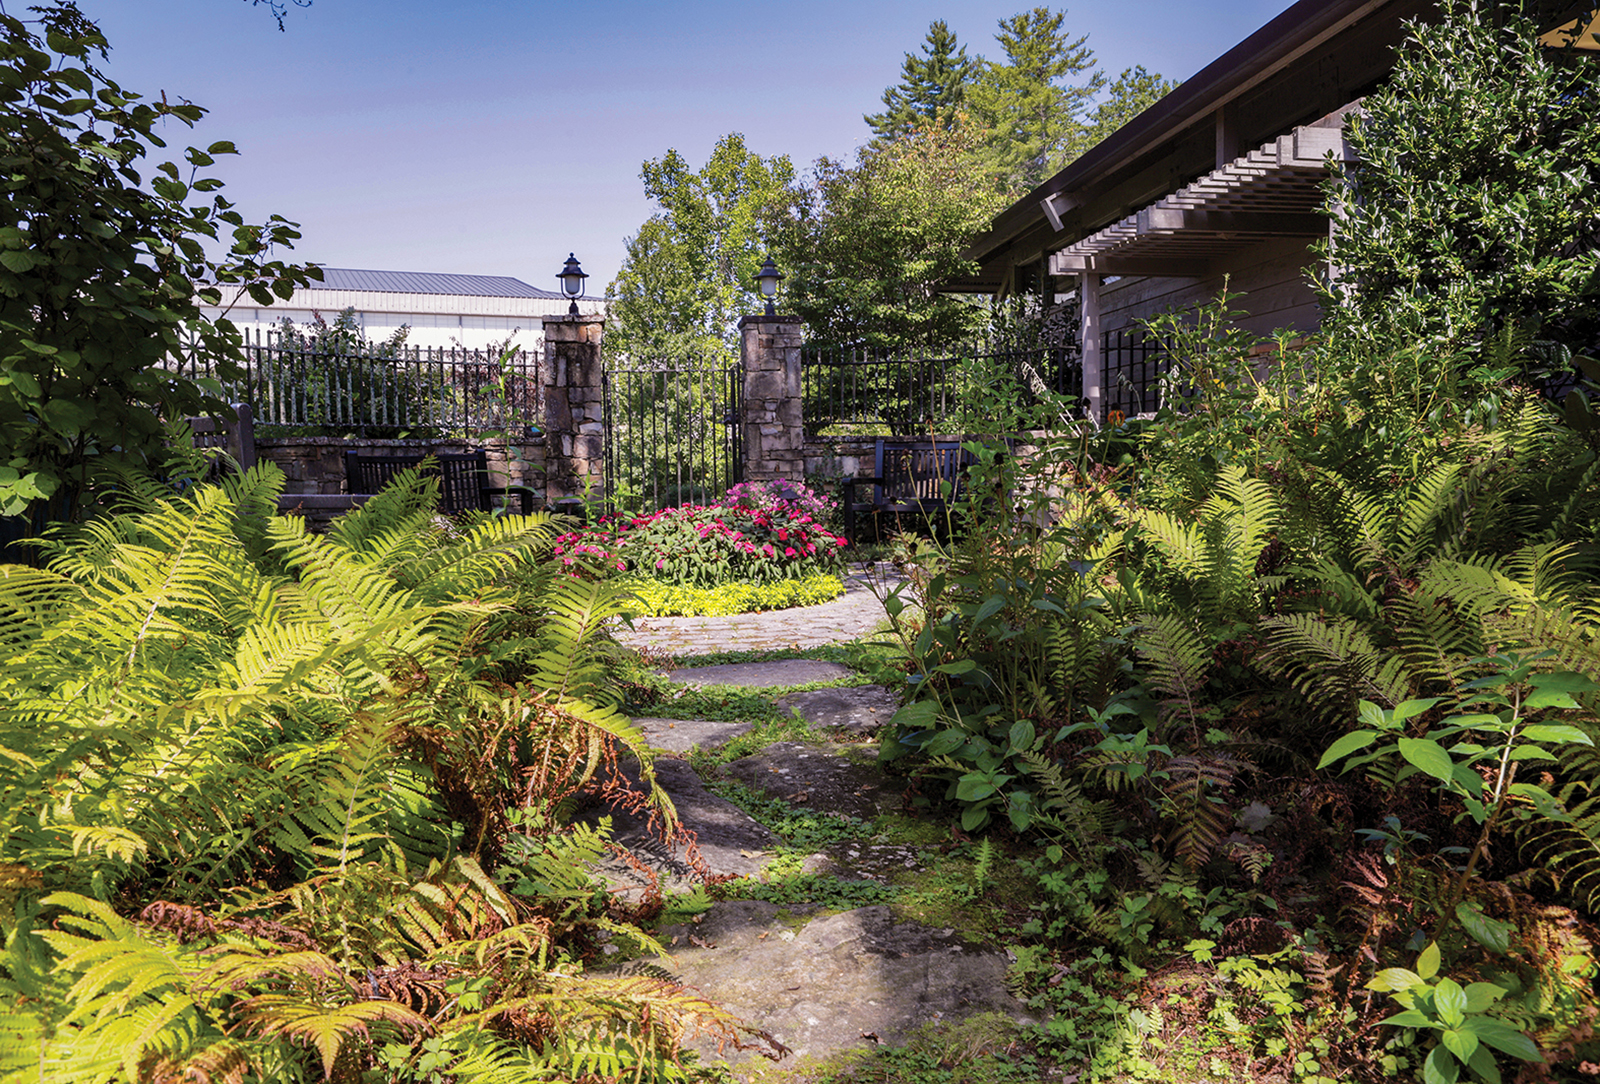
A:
{"x":483,"y":137}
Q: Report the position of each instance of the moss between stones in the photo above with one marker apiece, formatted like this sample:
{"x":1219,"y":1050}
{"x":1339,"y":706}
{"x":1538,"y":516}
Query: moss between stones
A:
{"x":669,"y":600}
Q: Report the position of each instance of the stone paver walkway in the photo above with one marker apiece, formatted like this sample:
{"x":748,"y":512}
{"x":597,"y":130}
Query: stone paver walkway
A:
{"x":820,"y":981}
{"x":851,"y":616}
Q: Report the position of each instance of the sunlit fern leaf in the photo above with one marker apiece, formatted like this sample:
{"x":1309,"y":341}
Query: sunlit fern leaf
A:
{"x":335,"y":785}
{"x":1333,"y":664}
{"x":380,"y":526}
{"x":470,"y":564}
{"x":1413,"y":531}
{"x":1437,"y":644}
{"x":573,"y":653}
{"x":327,"y":1028}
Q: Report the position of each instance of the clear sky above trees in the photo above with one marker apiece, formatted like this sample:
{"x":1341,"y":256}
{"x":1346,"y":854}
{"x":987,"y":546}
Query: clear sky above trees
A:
{"x":418,"y":135}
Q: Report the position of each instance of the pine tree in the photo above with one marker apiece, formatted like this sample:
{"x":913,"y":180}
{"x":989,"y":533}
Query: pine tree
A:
{"x":932,"y":86}
{"x":1034,"y":117}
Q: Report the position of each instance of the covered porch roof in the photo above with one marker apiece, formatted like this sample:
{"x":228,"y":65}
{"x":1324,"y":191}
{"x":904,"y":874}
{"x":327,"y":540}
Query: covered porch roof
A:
{"x":1273,"y":191}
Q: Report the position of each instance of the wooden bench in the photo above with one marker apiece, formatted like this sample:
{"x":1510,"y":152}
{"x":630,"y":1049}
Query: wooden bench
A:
{"x":465,"y":484}
{"x":909,"y":475}
{"x":237,"y":437}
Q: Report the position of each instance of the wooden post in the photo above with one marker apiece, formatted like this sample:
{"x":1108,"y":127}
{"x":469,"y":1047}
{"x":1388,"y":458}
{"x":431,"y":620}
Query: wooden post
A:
{"x":1093,"y":362}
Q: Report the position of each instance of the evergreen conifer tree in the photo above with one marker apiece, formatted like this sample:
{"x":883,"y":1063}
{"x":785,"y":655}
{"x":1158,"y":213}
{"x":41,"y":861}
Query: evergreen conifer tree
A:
{"x":1034,"y":117}
{"x":932,"y":86}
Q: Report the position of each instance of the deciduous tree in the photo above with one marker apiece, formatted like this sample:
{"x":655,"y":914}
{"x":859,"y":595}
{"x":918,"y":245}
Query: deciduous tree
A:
{"x":867,"y":246}
{"x":98,"y":266}
{"x":690,"y":270}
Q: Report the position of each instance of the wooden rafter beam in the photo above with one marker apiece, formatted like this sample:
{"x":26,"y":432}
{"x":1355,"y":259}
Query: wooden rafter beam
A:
{"x":1062,"y":263}
{"x":1163,"y":220}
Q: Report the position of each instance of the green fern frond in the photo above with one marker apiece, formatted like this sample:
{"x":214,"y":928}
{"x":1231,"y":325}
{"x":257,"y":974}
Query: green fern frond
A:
{"x":327,"y":1028}
{"x":1333,"y":664}
{"x":1179,"y":662}
{"x":1194,"y":806}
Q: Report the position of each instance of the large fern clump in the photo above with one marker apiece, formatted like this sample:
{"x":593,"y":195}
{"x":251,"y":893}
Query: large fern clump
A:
{"x":281,"y":806}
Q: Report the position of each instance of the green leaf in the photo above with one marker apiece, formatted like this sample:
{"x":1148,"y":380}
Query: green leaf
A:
{"x":19,"y":260}
{"x":1374,"y":716}
{"x":1548,"y":698}
{"x":1556,"y":732}
{"x":1459,"y":1041}
{"x":1481,"y":995}
{"x":1410,"y":709}
{"x":1484,"y":1065}
{"x":1391,"y":979}
{"x":960,"y":666}
{"x":1491,"y":933}
{"x":1428,"y":756}
{"x":991,"y":606}
{"x":1450,"y":1002}
{"x":1428,"y":961}
{"x":1504,"y":1038}
{"x":1411,"y":1018}
{"x":1440,"y":1068}
{"x":1564,"y":681}
{"x":1022,"y":736}
{"x":1356,"y":739}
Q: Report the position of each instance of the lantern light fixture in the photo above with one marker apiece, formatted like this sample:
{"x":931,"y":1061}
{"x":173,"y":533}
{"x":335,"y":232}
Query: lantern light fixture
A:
{"x":571,"y":278}
{"x":768,"y":278}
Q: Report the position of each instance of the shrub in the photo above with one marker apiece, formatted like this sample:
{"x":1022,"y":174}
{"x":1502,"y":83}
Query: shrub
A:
{"x":667,"y":600}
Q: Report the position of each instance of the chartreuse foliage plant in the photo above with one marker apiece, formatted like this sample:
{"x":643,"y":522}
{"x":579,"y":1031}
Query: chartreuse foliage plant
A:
{"x":279,"y":806}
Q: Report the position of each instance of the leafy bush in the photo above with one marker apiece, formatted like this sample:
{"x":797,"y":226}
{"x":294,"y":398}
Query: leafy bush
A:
{"x":665,"y":600}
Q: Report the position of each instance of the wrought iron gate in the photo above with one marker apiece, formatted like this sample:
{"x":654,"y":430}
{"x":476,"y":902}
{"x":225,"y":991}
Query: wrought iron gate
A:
{"x":672,"y":435}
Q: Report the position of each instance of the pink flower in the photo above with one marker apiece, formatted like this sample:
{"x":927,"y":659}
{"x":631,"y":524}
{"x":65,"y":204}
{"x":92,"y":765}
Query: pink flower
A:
{"x":789,"y":551}
{"x":621,"y":565}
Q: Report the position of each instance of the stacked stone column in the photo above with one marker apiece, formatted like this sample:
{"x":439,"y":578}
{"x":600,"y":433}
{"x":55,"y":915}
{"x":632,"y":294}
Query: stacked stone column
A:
{"x":574,"y":407}
{"x":774,"y":440}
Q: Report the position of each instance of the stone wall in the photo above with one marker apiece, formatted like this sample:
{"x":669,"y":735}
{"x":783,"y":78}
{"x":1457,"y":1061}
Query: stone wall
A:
{"x":574,"y":405}
{"x":315,"y":465}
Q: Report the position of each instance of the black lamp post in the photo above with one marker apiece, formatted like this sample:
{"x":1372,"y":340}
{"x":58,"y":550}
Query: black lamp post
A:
{"x":768,"y":278}
{"x":571,"y":278}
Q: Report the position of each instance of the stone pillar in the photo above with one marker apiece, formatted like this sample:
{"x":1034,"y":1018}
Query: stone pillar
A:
{"x":574,"y":407}
{"x":774,"y":440}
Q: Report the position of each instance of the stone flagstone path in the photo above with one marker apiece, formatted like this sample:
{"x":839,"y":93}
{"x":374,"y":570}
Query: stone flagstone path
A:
{"x":821,"y":982}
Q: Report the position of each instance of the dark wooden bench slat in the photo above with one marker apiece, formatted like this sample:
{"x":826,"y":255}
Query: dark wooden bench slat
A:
{"x":463,"y":478}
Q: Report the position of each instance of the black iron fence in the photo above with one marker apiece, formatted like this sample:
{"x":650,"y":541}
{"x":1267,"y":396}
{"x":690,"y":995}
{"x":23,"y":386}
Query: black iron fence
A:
{"x":1131,"y":366}
{"x":408,"y":391}
{"x":865,"y":392}
{"x":672,"y":434}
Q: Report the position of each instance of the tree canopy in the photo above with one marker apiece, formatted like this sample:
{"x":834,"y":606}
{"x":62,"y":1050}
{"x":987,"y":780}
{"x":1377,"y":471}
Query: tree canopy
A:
{"x":1042,"y":105}
{"x":689,"y":273}
{"x":1477,"y":173}
{"x":867,"y":245}
{"x":98,"y":265}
